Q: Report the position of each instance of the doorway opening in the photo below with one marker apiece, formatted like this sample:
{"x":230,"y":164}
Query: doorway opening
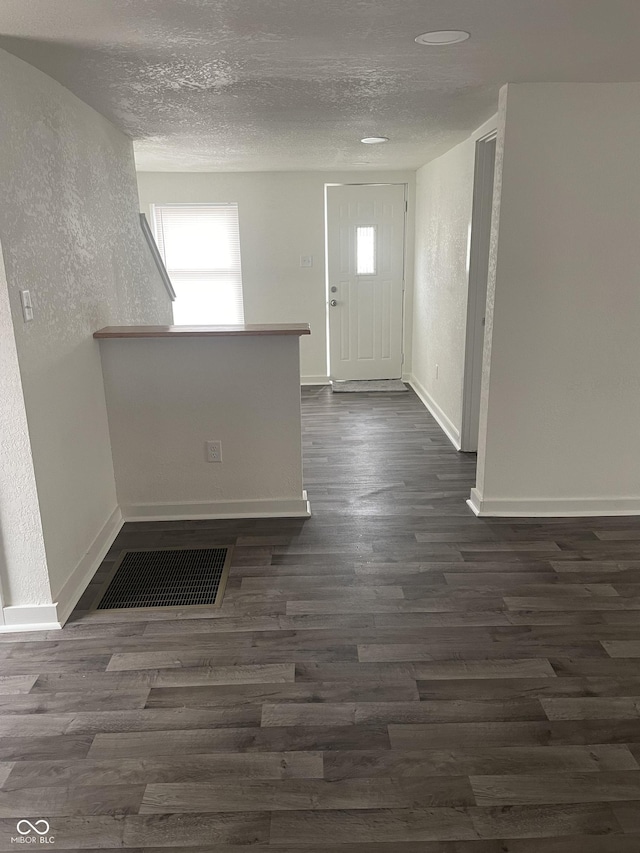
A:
{"x":477,"y":297}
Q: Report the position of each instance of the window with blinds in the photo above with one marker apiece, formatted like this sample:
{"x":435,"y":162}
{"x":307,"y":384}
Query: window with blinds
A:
{"x":200,"y":246}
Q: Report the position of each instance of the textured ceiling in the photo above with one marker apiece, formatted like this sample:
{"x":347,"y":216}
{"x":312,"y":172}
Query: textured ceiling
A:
{"x":294,"y":84}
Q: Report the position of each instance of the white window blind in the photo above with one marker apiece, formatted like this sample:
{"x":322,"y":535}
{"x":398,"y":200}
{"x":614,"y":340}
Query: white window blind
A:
{"x":200,"y":246}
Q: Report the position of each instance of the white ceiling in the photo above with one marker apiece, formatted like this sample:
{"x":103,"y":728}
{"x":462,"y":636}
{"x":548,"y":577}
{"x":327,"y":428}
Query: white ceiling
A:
{"x":294,"y":84}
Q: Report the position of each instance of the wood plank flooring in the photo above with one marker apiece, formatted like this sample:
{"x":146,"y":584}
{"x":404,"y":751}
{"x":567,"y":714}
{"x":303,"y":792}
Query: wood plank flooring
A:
{"x":392,"y":675}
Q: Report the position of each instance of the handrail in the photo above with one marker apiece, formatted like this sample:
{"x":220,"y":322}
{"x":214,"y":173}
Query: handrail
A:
{"x":157,"y":257}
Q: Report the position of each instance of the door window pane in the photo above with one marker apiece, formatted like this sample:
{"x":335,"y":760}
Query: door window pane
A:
{"x":365,"y":250}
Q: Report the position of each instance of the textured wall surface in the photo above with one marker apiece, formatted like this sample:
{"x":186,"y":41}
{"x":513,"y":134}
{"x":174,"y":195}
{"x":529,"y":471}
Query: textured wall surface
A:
{"x":281,"y":217}
{"x":70,"y":232}
{"x":444,"y":195}
{"x":244,"y":391}
{"x":563,"y":395}
{"x":21,"y":539}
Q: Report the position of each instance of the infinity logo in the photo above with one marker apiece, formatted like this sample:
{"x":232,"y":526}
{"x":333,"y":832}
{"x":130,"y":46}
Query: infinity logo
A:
{"x":33,"y":827}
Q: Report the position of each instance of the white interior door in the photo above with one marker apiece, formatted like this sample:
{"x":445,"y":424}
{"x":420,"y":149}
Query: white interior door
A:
{"x":365,"y":262}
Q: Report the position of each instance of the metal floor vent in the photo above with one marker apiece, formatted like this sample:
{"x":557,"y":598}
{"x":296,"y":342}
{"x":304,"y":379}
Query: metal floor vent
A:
{"x":169,"y":577}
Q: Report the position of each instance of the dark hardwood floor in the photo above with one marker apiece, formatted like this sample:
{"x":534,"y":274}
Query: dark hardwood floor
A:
{"x":392,"y":675}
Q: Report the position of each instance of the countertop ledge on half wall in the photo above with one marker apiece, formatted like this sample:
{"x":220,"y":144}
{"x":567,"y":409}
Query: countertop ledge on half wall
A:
{"x":202,"y":331}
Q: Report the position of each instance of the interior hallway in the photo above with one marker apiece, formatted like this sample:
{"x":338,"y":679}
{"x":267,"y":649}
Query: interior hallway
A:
{"x":387,"y":675}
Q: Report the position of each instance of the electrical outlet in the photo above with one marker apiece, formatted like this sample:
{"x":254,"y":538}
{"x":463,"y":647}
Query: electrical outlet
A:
{"x":214,"y":451}
{"x":306,"y":260}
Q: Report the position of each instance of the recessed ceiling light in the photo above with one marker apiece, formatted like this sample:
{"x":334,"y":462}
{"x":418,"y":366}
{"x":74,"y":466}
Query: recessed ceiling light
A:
{"x":374,"y":140}
{"x":443,"y":37}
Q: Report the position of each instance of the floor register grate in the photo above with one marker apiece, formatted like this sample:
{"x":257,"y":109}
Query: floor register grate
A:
{"x":169,"y":577}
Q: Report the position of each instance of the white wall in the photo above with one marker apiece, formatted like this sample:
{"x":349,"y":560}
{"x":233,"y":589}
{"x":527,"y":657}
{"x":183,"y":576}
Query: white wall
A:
{"x":70,"y":232}
{"x":444,"y":198}
{"x":21,"y":539}
{"x":281,"y":217}
{"x":561,"y":393}
{"x":166,"y":397}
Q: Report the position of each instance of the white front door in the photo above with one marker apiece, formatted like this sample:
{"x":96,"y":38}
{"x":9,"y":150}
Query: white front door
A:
{"x":365,"y":255}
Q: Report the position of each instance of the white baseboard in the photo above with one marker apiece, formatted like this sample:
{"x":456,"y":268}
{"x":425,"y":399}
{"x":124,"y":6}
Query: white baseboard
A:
{"x":553,"y":508}
{"x":30,"y":617}
{"x":270,"y":508}
{"x":315,"y":380}
{"x":475,"y":502}
{"x":80,"y":577}
{"x":48,"y":617}
{"x":448,"y":428}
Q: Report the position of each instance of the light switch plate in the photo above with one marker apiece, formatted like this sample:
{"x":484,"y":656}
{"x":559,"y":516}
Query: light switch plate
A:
{"x":27,"y":306}
{"x":306,"y":260}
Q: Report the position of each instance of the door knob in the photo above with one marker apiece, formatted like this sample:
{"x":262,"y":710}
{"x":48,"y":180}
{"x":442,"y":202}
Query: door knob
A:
{"x":333,"y":303}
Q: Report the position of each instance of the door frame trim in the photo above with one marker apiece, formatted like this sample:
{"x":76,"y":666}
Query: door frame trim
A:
{"x":480,"y":230}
